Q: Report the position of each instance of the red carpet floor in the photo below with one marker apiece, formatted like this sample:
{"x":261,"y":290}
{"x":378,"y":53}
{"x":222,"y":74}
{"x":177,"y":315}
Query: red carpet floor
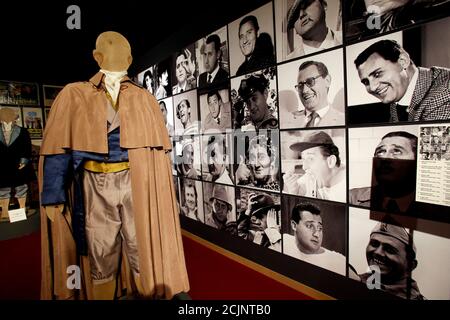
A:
{"x":20,"y":268}
{"x":211,"y":275}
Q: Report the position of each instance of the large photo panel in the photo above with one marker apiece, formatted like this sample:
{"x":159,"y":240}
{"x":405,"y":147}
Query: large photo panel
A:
{"x":401,"y":77}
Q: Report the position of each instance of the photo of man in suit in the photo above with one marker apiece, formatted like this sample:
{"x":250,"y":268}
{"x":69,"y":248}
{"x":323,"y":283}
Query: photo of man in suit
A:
{"x":313,"y":84}
{"x":212,"y":55}
{"x":406,"y":92}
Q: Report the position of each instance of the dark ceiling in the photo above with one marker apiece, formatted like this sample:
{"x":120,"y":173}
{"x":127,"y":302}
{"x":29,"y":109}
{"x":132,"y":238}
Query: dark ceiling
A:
{"x":37,"y":46}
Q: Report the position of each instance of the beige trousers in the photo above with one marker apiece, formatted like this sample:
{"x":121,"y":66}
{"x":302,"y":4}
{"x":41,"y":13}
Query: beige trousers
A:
{"x":109,"y":223}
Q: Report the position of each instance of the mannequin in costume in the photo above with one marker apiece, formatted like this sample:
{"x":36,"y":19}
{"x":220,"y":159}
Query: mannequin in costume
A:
{"x":15,"y":166}
{"x":108,"y":212}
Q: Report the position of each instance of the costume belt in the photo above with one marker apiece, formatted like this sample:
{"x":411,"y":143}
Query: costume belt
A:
{"x":105,"y":167}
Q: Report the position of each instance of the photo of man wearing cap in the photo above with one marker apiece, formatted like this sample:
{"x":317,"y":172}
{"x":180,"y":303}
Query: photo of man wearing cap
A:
{"x":322,"y":174}
{"x":186,"y":161}
{"x":254,"y":92}
{"x":391,"y":250}
{"x":220,"y":213}
{"x":307,"y":22}
{"x":259,"y":219}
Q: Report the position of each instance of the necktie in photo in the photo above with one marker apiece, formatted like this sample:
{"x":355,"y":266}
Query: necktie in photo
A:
{"x":313,"y":116}
{"x":209,"y":78}
{"x":402,"y":114}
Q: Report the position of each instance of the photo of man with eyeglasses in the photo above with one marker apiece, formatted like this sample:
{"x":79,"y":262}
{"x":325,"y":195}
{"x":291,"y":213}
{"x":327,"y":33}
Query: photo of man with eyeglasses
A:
{"x":311,"y":93}
{"x":313,"y":83}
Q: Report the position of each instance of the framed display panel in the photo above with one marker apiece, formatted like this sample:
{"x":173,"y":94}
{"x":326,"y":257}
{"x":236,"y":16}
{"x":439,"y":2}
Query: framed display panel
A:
{"x":19,"y":93}
{"x":50,"y":93}
{"x":33,"y":121}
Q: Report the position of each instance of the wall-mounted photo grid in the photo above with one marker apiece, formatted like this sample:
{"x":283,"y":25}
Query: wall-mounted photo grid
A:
{"x":330,"y":145}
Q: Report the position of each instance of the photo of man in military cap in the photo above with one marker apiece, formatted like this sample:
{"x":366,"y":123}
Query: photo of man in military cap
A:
{"x":220,"y":213}
{"x":392,"y":253}
{"x":254,"y":93}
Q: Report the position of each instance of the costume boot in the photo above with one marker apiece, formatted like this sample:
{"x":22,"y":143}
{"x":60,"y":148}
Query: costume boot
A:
{"x":4,"y":204}
{"x":22,"y":202}
{"x":104,"y":291}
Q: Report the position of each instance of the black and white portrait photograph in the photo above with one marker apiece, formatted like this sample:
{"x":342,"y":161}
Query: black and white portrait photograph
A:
{"x":259,"y":218}
{"x":147,"y":79}
{"x":215,"y":110}
{"x":213,"y":58}
{"x":166,"y":107}
{"x":163,"y":77}
{"x":186,"y":113}
{"x":367,"y":18}
{"x":383,"y":166}
{"x":314,"y":231}
{"x":402,"y":77}
{"x":313,"y":164}
{"x":220,"y":207}
{"x":252,"y":41}
{"x":19,"y":93}
{"x":217,"y":155}
{"x":381,"y":253}
{"x":184,"y":70}
{"x":187,"y":157}
{"x":311,"y":91}
{"x":254,"y":100}
{"x":304,"y":27}
{"x":257,"y":162}
{"x":191,"y":195}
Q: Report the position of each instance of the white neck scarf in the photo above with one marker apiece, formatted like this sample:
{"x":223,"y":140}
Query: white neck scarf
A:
{"x":112,"y":82}
{"x":7,"y":126}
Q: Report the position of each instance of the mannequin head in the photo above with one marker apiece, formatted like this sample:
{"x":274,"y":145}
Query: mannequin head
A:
{"x":7,"y":116}
{"x":112,"y":51}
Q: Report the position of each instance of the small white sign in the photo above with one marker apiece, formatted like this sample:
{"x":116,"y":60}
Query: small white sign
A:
{"x":17,"y":215}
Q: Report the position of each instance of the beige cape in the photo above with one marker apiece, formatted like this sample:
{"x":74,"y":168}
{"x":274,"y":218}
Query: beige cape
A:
{"x":77,"y":121}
